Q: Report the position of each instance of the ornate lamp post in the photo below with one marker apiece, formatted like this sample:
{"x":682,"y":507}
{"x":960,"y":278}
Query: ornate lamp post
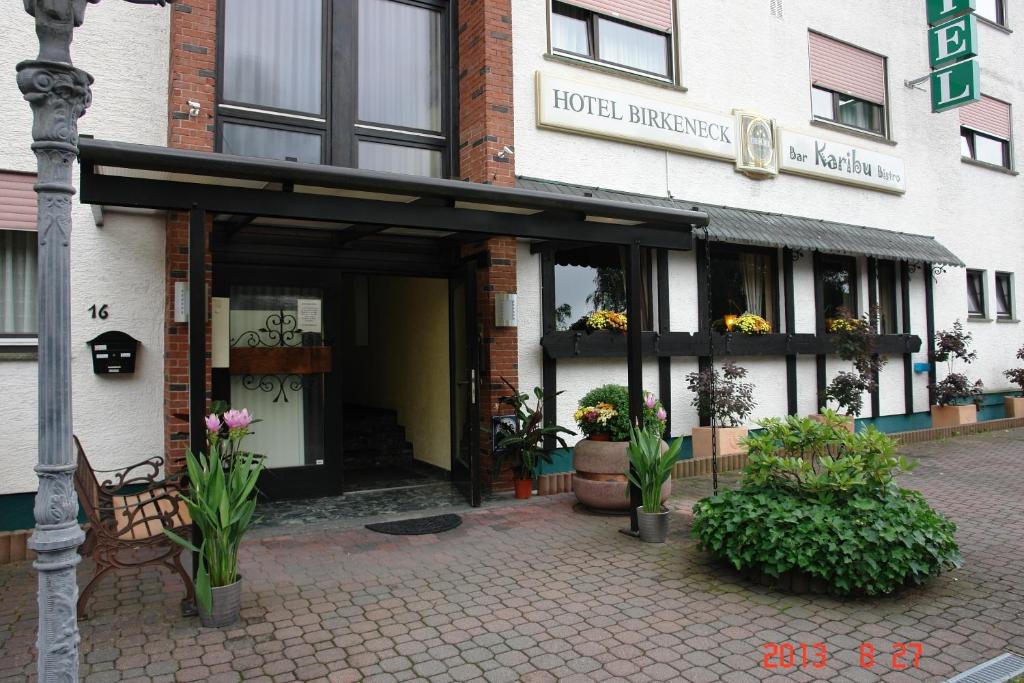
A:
{"x":58,"y":94}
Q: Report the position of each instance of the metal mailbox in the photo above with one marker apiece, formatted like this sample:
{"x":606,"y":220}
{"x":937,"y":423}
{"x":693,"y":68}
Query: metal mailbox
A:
{"x":113,"y":353}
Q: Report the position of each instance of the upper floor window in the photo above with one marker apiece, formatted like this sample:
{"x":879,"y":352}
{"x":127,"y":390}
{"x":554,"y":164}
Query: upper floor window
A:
{"x":985,"y":131}
{"x":848,"y":84}
{"x":743,"y":280}
{"x":347,"y":83}
{"x":626,"y":40}
{"x":18,"y":256}
{"x":1004,"y":296}
{"x":993,"y":10}
{"x":976,"y":294}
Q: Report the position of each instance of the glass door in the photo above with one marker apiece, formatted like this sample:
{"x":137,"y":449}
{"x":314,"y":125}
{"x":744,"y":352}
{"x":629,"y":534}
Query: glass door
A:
{"x":465,"y":363}
{"x":280,"y":369}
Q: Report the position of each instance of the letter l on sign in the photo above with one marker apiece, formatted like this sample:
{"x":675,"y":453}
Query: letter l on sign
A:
{"x":955,"y":86}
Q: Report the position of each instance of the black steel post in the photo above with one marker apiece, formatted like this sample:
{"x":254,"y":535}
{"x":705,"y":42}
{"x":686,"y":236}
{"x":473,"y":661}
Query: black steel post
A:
{"x":929,"y":311}
{"x":634,"y":361}
{"x":196,"y":346}
{"x":908,"y":362}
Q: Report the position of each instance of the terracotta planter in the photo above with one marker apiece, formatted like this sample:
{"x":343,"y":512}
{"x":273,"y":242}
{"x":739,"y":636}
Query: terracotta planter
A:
{"x":728,"y":441}
{"x":953,"y":416}
{"x":600,"y":436}
{"x":1014,"y":406}
{"x":523,"y":487}
{"x":600,"y":478}
{"x":226,"y":607}
{"x":850,"y":425}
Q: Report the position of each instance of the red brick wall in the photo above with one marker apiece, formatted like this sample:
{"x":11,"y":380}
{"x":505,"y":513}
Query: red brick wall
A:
{"x":192,"y":72}
{"x":485,"y":129}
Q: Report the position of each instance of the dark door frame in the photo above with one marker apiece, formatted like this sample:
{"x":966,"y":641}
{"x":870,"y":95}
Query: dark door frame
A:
{"x":466,"y":272}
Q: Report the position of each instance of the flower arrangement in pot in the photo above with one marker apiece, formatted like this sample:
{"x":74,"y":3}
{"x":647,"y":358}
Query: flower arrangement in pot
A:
{"x":749,"y":324}
{"x":855,"y":342}
{"x":521,"y":445}
{"x":221,"y":499}
{"x":734,"y":402}
{"x":1015,"y":404}
{"x":956,"y":397}
{"x":602,"y":320}
{"x":651,"y":468}
{"x":600,"y":459}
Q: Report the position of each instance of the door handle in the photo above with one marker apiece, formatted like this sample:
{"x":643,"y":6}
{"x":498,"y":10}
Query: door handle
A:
{"x":472,"y":386}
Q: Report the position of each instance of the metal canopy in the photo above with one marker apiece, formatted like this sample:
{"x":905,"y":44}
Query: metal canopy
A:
{"x":778,"y":230}
{"x":144,"y":176}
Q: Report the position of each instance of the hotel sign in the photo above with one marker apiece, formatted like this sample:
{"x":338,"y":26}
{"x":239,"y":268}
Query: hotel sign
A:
{"x":599,"y":111}
{"x":812,"y":156}
{"x":952,"y":47}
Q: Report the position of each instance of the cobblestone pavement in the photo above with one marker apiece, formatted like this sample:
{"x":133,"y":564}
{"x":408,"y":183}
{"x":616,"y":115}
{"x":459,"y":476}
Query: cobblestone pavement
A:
{"x":538,"y":592}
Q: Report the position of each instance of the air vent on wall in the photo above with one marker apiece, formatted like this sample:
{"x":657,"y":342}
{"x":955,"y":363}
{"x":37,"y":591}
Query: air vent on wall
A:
{"x":777,"y":8}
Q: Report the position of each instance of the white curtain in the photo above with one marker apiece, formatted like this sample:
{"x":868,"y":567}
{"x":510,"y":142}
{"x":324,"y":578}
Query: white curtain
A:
{"x":753,"y":268}
{"x":632,"y":47}
{"x":18,"y":282}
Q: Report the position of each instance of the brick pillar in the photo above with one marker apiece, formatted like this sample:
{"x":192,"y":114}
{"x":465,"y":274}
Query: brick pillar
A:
{"x":485,"y":128}
{"x":193,"y":63}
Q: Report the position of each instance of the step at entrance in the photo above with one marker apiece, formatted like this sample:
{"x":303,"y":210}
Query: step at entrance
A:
{"x":373,"y":439}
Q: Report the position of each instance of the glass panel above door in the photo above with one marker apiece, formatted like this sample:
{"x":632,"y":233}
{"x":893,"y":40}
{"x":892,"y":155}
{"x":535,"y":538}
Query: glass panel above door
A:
{"x":376,"y":156}
{"x":270,"y":143}
{"x":400,"y":60}
{"x":273,"y":54}
{"x":289,"y":401}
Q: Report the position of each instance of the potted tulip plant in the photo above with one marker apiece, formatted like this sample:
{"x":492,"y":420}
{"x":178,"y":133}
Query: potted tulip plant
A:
{"x":734,"y":402}
{"x":522,"y":445}
{"x":1015,"y":404}
{"x":221,"y":499}
{"x":651,"y":468}
{"x":956,"y":398}
{"x":601,"y":457}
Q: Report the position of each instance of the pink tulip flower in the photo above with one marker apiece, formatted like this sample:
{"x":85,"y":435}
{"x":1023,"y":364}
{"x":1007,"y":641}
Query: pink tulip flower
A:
{"x":650,"y":400}
{"x":213,"y":423}
{"x":237,"y":419}
{"x":662,"y":414}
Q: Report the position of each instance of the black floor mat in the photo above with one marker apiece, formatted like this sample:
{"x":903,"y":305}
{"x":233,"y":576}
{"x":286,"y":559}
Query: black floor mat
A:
{"x":415,"y":527}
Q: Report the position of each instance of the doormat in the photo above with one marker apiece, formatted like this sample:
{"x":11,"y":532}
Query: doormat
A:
{"x":416,"y":527}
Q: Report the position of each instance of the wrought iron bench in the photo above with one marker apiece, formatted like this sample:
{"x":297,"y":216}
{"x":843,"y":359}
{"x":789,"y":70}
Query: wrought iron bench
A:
{"x":127,"y":514}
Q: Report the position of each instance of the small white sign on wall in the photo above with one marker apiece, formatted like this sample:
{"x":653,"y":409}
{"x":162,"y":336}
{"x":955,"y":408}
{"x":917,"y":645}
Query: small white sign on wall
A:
{"x":839,"y":162}
{"x":308,"y":315}
{"x":600,"y":111}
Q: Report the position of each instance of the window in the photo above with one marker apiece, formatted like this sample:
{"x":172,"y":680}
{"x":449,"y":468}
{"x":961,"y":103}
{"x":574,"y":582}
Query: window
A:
{"x":848,"y":84}
{"x":1004,"y":296}
{"x":743,"y":281}
{"x":371,"y":92}
{"x":888,"y":318}
{"x":579,"y":32}
{"x":976,"y":293}
{"x":985,"y":131}
{"x":993,"y":10}
{"x":18,"y":257}
{"x":838,"y":287}
{"x":594,"y":278}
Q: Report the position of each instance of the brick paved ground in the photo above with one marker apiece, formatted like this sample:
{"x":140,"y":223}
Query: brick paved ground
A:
{"x":538,"y":592}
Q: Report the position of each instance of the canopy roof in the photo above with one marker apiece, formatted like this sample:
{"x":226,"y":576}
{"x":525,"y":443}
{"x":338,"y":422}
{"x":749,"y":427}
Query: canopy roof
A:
{"x":747,"y":226}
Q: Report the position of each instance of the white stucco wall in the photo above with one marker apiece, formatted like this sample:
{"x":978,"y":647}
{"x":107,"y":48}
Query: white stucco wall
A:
{"x":747,"y":59}
{"x":118,"y":418}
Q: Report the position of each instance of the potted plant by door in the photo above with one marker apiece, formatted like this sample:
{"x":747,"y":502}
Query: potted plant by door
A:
{"x":1015,"y":404}
{"x":221,"y":498}
{"x":956,"y":398}
{"x":651,"y":468}
{"x":734,"y":402}
{"x":600,"y":459}
{"x":522,"y":445}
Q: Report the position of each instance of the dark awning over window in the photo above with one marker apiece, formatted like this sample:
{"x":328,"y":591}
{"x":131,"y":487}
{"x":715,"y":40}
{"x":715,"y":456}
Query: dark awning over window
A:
{"x":747,"y":226}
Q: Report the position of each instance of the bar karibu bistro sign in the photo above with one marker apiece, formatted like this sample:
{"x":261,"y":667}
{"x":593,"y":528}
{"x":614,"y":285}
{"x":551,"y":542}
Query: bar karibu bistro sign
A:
{"x":571,"y":105}
{"x":812,"y":156}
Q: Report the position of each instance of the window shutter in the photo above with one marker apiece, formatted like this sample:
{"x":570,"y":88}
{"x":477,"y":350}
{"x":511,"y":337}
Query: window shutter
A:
{"x":656,"y":14}
{"x":17,"y":201}
{"x":987,"y":116}
{"x":847,"y":69}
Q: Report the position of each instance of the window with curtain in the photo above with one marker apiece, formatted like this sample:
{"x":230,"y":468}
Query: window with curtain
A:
{"x":888,"y":316}
{"x":743,"y":280}
{"x":18,"y":274}
{"x":1004,"y":296}
{"x":589,"y":279}
{"x":838,"y":287}
{"x":380,"y":67}
{"x":618,"y":41}
{"x":976,"y":293}
{"x":985,"y":131}
{"x":848,"y":84}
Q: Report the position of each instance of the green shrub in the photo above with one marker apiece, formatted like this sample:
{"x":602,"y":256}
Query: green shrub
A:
{"x":617,"y":426}
{"x":818,"y":500}
{"x":863,"y":545}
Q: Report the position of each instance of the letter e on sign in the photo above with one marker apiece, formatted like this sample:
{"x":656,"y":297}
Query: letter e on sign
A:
{"x":953,"y":41}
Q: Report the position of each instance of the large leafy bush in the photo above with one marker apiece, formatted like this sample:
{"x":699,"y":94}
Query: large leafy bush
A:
{"x":821,"y":502}
{"x":605,"y":410}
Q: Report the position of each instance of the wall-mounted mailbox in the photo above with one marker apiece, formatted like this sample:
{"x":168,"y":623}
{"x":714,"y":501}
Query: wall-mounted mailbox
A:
{"x":113,"y":353}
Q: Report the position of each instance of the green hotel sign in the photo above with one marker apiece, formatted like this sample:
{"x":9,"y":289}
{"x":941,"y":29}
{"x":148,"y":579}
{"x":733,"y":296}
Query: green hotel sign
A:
{"x":952,"y":45}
